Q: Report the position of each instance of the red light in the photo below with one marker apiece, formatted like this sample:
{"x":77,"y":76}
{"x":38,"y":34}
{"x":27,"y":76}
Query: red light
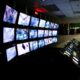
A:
{"x":38,"y":8}
{"x":42,"y":10}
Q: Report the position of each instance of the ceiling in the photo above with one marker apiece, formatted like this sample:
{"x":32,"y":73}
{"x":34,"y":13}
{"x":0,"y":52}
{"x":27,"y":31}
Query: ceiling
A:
{"x":62,"y":8}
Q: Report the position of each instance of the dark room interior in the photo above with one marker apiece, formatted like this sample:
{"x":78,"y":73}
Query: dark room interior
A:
{"x":41,"y":32}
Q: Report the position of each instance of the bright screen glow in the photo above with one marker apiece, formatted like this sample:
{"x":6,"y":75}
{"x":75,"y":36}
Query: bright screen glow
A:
{"x":46,"y":33}
{"x":50,"y":33}
{"x":52,"y":25}
{"x":56,"y":26}
{"x":54,"y":32}
{"x":33,"y":45}
{"x":42,"y":23}
{"x":10,"y":53}
{"x":33,"y":34}
{"x":10,"y":15}
{"x":40,"y":33}
{"x":21,"y":34}
{"x":8,"y":34}
{"x":46,"y":41}
{"x":55,"y":39}
{"x":34,"y":21}
{"x":47,"y":25}
{"x":23,"y":48}
{"x":41,"y":43}
{"x":50,"y":40}
{"x":23,"y":19}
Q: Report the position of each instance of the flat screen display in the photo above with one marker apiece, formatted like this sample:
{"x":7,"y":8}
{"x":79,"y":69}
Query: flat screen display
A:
{"x":10,"y":15}
{"x":50,"y":33}
{"x":46,"y":41}
{"x":47,"y":24}
{"x":52,"y":25}
{"x":32,"y":34}
{"x":50,"y":40}
{"x":21,"y":34}
{"x":23,"y":48}
{"x":24,"y":19}
{"x":42,"y":23}
{"x":33,"y":45}
{"x":55,"y":39}
{"x":34,"y":22}
{"x":8,"y":34}
{"x":40,"y":33}
{"x":46,"y":33}
{"x":10,"y":53}
{"x":54,"y":32}
{"x":41,"y":43}
{"x":56,"y":26}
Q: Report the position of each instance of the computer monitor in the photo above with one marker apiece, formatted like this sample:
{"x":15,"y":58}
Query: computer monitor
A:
{"x":55,"y":39}
{"x":56,"y":26}
{"x":8,"y":34}
{"x":41,"y":43}
{"x":55,"y":32}
{"x":34,"y":22}
{"x":23,"y":48}
{"x":50,"y":33}
{"x":21,"y":34}
{"x":50,"y":40}
{"x":10,"y":15}
{"x":32,"y":34}
{"x":40,"y":33}
{"x":46,"y":33}
{"x":47,"y":24}
{"x":10,"y":53}
{"x":42,"y":23}
{"x":46,"y":41}
{"x":24,"y":19}
{"x":52,"y":25}
{"x":33,"y":45}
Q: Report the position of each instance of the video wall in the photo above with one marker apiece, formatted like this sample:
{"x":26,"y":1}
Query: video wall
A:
{"x":23,"y":33}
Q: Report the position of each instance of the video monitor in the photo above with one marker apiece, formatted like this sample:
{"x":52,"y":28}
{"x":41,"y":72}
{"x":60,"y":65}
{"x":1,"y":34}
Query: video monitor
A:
{"x":24,"y":19}
{"x":23,"y":48}
{"x":55,"y":33}
{"x":40,"y":33}
{"x":10,"y":15}
{"x":47,"y":24}
{"x":46,"y":33}
{"x":34,"y":22}
{"x":55,"y":40}
{"x":46,"y":41}
{"x":8,"y":34}
{"x":56,"y":26}
{"x":50,"y":33}
{"x":10,"y":53}
{"x":41,"y":43}
{"x":32,"y":34}
{"x":33,"y":45}
{"x":21,"y":34}
{"x":42,"y":23}
{"x":52,"y":25}
{"x":50,"y":40}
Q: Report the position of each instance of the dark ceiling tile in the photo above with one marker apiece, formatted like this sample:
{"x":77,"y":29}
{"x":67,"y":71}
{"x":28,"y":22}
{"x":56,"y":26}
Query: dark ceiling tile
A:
{"x":76,"y":12}
{"x":51,"y":8}
{"x":73,"y":0}
{"x":61,"y":16}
